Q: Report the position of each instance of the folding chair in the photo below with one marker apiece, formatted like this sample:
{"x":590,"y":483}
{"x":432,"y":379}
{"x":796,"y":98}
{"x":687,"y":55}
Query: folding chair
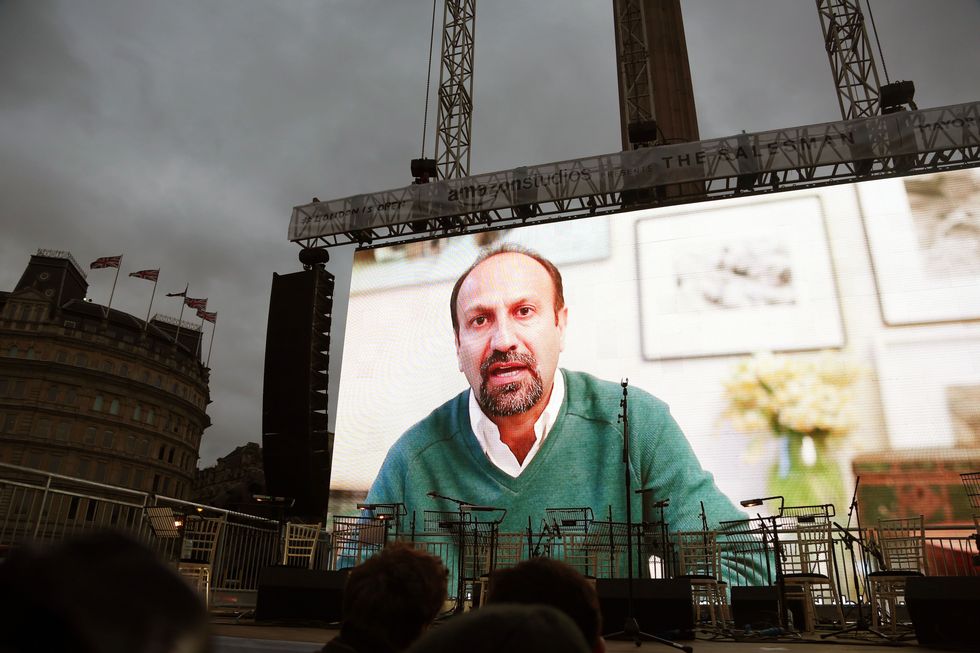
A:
{"x":807,"y":557}
{"x":903,"y":551}
{"x":197,"y":552}
{"x":699,"y":561}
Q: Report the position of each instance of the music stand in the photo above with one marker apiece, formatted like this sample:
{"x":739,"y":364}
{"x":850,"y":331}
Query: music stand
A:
{"x":771,"y":531}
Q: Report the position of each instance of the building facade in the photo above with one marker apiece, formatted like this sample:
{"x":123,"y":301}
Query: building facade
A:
{"x":96,"y":394}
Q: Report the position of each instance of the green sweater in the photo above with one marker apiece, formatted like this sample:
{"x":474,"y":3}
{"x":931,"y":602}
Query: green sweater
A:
{"x":578,"y":465}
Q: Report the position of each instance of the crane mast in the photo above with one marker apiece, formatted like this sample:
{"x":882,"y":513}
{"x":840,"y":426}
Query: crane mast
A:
{"x":851,"y":58}
{"x":454,"y":120}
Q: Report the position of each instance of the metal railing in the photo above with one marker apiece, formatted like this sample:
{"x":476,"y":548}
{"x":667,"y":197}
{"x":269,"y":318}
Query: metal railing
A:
{"x":37,"y":506}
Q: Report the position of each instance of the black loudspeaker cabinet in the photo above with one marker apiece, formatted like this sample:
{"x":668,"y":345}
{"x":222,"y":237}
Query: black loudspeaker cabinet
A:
{"x":296,"y":445}
{"x":944,"y":611}
{"x":757,"y":607}
{"x":297,"y":594}
{"x":662,"y":607}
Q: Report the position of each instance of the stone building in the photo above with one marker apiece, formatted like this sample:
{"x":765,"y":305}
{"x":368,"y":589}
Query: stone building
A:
{"x":233,"y":481}
{"x":95,"y":394}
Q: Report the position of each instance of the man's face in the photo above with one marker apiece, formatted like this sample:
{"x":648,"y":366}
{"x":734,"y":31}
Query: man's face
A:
{"x":509,"y":335}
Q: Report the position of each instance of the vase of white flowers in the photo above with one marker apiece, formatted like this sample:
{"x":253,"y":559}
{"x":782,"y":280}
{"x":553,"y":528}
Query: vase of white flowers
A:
{"x":804,"y":402}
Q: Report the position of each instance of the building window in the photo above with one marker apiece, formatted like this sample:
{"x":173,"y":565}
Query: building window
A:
{"x":108,"y":439}
{"x":114,"y":407}
{"x":52,"y":393}
{"x":81,"y":359}
{"x":122,"y":476}
{"x":137,"y":479}
{"x":61,"y":356}
{"x":159,"y":382}
{"x":170,"y":455}
{"x":3,"y":387}
{"x":137,"y":413}
{"x":43,"y":429}
{"x":101,"y":471}
{"x":130,"y":443}
{"x":30,"y":353}
{"x":18,"y":389}
{"x":145,"y":447}
{"x":161,"y":451}
{"x":13,"y":351}
{"x":82,"y":468}
{"x":166,"y":484}
{"x":156,"y":483}
{"x":146,"y":377}
{"x":54,"y":464}
{"x":10,"y":423}
{"x":89,"y":436}
{"x":150,"y":416}
{"x":71,"y":397}
{"x":34,"y":459}
{"x":63,"y":434}
{"x":107,"y":366}
{"x":97,"y":404}
{"x":124,"y":370}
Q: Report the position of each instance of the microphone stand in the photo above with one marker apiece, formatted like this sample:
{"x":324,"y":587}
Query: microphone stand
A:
{"x":461,"y":546}
{"x":631,"y":628}
{"x":861,"y":625}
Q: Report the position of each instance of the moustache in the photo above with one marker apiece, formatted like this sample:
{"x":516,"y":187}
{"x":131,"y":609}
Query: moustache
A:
{"x":497,"y":357}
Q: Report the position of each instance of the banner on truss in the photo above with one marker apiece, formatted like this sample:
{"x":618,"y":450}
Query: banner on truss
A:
{"x":749,"y":155}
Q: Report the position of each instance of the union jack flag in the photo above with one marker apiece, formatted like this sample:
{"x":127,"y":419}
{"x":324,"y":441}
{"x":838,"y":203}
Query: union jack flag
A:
{"x":149,"y":275}
{"x":210,"y":317}
{"x":106,"y":262}
{"x":199,"y":304}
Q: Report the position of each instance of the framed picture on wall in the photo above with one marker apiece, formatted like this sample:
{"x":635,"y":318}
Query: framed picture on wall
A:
{"x":929,"y":381}
{"x":746,"y":277}
{"x":924,"y":238}
{"x":434,"y":261}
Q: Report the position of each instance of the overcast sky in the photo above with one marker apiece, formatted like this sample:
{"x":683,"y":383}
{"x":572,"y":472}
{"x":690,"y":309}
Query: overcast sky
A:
{"x":181,"y":133}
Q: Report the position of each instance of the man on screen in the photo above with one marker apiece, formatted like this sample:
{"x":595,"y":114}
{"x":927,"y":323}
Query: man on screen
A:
{"x":528,"y":435}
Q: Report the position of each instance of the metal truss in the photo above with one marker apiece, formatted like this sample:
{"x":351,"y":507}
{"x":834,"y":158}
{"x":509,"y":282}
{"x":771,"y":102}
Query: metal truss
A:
{"x":851,"y":57}
{"x":607,"y":203}
{"x":902,"y":143}
{"x":634,"y":60}
{"x":455,"y":118}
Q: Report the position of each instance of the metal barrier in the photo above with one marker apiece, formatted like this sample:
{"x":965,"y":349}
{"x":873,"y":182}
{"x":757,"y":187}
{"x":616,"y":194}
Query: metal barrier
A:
{"x":38,"y":506}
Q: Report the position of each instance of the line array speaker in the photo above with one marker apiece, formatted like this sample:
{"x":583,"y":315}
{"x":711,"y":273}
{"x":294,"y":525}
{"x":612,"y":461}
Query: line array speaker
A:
{"x":296,"y":445}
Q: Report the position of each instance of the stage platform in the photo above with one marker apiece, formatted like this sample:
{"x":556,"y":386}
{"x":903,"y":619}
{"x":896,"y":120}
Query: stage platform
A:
{"x":249,"y":637}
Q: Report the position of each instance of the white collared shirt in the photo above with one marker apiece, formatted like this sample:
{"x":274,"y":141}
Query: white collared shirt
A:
{"x":488,"y":435}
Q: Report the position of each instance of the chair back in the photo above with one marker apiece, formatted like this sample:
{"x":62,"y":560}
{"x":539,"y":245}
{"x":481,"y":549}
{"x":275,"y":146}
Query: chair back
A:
{"x":200,"y":539}
{"x":299,"y":544}
{"x":903,"y":544}
{"x":807,"y":549}
{"x":698,"y":553}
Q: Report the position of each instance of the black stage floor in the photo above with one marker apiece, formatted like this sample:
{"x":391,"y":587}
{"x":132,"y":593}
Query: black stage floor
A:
{"x":248,"y":637}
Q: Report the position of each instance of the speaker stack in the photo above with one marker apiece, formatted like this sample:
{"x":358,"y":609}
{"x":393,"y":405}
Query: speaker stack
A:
{"x":296,"y":446}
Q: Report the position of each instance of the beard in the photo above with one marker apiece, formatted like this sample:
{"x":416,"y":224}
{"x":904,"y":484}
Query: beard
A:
{"x":511,"y":398}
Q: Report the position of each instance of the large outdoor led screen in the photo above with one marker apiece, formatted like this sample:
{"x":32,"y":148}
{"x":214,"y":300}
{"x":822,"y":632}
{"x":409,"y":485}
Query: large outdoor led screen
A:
{"x":800,"y":340}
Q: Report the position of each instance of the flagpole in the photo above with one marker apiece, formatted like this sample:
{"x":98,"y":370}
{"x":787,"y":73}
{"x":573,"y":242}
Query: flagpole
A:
{"x":146,"y":323}
{"x":183,"y":300}
{"x":113,"y":291}
{"x":200,"y":348}
{"x":214,"y":325}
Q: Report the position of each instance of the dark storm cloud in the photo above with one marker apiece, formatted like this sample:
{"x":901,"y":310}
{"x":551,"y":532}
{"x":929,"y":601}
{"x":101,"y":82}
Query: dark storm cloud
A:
{"x":181,"y":133}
